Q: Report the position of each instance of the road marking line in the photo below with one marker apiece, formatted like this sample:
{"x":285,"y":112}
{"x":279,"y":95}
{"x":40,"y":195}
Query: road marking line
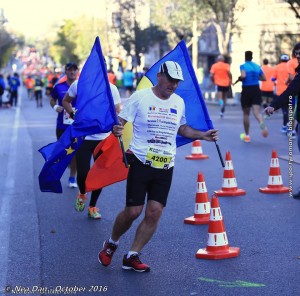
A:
{"x":234,"y":284}
{"x":5,"y":211}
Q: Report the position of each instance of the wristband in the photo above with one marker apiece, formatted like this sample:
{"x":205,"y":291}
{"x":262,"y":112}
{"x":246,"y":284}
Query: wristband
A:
{"x":55,"y":107}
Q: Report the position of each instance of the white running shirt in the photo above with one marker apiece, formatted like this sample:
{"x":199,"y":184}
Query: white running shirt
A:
{"x":155,"y":126}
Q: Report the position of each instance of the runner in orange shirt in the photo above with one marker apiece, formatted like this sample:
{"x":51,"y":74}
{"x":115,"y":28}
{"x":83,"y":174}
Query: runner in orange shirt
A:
{"x":292,"y":65}
{"x":112,"y":78}
{"x":50,"y":84}
{"x":281,"y":78}
{"x":267,"y":86}
{"x":221,"y":76}
{"x":29,"y":84}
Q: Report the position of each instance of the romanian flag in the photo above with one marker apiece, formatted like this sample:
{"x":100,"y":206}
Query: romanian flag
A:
{"x":195,"y":108}
{"x":109,"y":167}
{"x":95,"y":114}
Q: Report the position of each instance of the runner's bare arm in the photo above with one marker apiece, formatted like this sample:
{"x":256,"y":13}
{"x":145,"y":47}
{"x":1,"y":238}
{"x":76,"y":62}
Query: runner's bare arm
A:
{"x":189,"y":132}
{"x":67,"y":103}
{"x":53,"y":104}
{"x":118,"y":129}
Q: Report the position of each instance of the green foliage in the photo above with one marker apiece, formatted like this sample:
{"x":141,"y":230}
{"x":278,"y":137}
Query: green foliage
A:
{"x":171,"y":21}
{"x":178,"y":17}
{"x":223,"y":16}
{"x":133,"y":38}
{"x":66,"y":38}
{"x":75,"y":39}
{"x":7,"y":45}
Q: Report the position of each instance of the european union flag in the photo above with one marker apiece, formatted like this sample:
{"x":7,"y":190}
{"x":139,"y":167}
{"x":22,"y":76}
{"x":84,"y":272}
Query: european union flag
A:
{"x":95,"y":114}
{"x":57,"y":156}
{"x":195,"y":108}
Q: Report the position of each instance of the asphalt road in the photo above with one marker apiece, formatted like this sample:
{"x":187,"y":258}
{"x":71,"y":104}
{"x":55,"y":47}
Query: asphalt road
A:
{"x":49,"y":248}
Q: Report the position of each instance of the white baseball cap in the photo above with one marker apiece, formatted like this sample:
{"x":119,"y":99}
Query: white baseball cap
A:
{"x":284,"y":57}
{"x":172,"y":69}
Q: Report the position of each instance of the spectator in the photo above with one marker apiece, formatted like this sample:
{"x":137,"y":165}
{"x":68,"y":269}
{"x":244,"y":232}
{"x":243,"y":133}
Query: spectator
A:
{"x":286,"y":98}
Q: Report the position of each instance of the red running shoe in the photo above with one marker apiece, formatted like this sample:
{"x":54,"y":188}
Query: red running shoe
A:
{"x":107,"y":252}
{"x":134,"y":262}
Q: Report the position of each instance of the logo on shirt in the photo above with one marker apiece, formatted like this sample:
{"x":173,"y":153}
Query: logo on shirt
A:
{"x":152,"y":108}
{"x":163,"y":110}
{"x":174,"y":111}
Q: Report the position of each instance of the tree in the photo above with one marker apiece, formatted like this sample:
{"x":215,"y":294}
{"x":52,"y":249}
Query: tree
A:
{"x":7,"y":41}
{"x":75,"y":39}
{"x":134,"y":39}
{"x":295,"y":6}
{"x":129,"y":28}
{"x":7,"y":44}
{"x":66,"y":42}
{"x":224,"y":17}
{"x":178,"y":18}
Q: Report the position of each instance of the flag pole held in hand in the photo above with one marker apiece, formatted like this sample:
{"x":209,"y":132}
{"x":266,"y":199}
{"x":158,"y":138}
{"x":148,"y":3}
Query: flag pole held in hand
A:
{"x":123,"y":151}
{"x":220,"y":155}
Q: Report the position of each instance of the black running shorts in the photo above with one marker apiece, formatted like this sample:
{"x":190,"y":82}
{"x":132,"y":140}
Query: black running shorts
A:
{"x":268,"y":94}
{"x":144,"y":180}
{"x":223,"y":88}
{"x":250,"y":95}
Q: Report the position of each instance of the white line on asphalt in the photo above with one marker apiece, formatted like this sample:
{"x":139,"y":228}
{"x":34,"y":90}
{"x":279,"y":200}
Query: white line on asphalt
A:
{"x":5,"y":211}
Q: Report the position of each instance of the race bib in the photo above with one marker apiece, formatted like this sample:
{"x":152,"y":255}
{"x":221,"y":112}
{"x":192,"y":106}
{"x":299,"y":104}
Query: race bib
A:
{"x":67,"y":119}
{"x":158,"y":158}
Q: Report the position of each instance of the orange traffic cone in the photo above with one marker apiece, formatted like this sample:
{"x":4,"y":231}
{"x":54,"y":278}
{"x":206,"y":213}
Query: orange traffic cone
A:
{"x":202,"y":204}
{"x":217,"y":244}
{"x":197,"y":152}
{"x":275,"y":181}
{"x":229,"y":187}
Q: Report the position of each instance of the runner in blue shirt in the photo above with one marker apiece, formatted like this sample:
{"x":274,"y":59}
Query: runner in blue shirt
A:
{"x":14,"y":84}
{"x":63,"y":120}
{"x":128,"y":80}
{"x":251,"y":73}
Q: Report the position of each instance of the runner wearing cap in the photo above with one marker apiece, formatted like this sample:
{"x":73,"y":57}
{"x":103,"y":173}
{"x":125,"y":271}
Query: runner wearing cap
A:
{"x":157,"y":115}
{"x":281,"y":78}
{"x":63,"y":120}
{"x":85,"y":153}
{"x":286,"y":98}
